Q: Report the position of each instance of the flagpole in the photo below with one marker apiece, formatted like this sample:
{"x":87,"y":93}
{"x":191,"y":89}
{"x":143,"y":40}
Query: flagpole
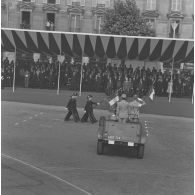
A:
{"x":193,"y":95}
{"x":81,"y":77}
{"x":171,"y":87}
{"x":14,"y":77}
{"x":59,"y":67}
{"x":7,"y":14}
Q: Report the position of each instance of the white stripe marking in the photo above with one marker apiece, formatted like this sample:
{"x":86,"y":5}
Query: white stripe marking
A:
{"x":40,"y":113}
{"x":16,"y":124}
{"x":36,"y":115}
{"x":46,"y":173}
{"x":30,"y":117}
{"x":56,"y":119}
{"x":24,"y":121}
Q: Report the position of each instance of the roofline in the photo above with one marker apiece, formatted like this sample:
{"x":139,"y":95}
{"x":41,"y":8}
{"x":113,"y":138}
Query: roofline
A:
{"x":93,"y":34}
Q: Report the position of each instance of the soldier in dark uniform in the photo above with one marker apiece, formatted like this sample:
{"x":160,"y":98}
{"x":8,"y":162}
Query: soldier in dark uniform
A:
{"x":89,"y":110}
{"x":72,"y":109}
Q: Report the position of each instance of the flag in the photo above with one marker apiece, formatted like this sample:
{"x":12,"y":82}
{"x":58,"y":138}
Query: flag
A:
{"x":114,"y":100}
{"x":151,"y":95}
{"x":141,"y":102}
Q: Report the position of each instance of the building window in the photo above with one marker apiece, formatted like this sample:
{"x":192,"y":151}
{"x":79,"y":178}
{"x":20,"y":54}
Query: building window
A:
{"x":51,"y":1}
{"x":100,"y":3}
{"x":76,"y":2}
{"x":25,"y":23}
{"x":151,"y":5}
{"x":174,"y":29}
{"x":98,"y":23}
{"x":75,"y":23}
{"x":50,"y":24}
{"x":176,"y":5}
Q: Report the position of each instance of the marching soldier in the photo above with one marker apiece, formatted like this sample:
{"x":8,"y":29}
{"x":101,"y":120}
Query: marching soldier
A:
{"x":72,"y":109}
{"x":89,"y":110}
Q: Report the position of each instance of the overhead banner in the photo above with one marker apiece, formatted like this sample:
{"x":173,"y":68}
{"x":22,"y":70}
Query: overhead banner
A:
{"x":131,"y":48}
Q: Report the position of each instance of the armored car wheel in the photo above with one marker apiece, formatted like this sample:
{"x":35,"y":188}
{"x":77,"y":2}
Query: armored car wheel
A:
{"x":100,"y":147}
{"x":140,"y":151}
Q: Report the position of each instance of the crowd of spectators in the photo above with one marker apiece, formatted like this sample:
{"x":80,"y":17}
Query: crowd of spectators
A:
{"x":96,"y":77}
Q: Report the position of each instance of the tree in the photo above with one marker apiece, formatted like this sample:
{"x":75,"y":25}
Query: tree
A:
{"x":125,"y":19}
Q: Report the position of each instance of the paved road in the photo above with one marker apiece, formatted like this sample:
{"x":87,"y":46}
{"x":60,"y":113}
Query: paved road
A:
{"x":43,"y":155}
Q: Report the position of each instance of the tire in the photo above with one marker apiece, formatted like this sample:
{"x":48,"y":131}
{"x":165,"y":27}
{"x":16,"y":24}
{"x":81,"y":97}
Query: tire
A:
{"x":100,"y":147}
{"x":140,"y":151}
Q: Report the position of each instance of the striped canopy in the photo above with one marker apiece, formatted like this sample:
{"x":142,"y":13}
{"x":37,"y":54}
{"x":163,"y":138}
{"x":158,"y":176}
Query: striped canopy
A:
{"x":133,"y":48}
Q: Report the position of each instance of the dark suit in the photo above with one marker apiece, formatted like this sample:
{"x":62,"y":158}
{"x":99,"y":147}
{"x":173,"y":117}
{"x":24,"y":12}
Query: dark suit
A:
{"x":72,"y":110}
{"x":89,"y":112}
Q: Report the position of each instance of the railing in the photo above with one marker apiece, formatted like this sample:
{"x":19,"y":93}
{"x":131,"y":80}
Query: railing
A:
{"x":100,"y":5}
{"x":75,"y":29}
{"x":75,"y":4}
{"x":50,"y":28}
{"x":177,"y":35}
{"x":25,"y":26}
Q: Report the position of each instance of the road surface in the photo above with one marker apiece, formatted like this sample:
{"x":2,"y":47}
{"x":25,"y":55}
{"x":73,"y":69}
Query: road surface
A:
{"x":43,"y":155}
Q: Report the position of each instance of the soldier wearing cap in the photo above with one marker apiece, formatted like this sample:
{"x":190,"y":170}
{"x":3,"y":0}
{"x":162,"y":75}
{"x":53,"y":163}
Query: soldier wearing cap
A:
{"x":72,"y":108}
{"x":89,"y":110}
{"x":134,"y":107}
{"x":122,"y":110}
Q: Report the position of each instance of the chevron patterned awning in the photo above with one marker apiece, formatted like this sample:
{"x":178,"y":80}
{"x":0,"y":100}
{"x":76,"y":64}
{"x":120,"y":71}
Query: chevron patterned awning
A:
{"x":133,"y":48}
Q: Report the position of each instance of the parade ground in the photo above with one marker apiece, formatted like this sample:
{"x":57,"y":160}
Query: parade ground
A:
{"x":43,"y":155}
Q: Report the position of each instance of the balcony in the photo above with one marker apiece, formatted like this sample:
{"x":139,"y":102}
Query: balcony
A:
{"x":25,"y":26}
{"x":76,"y":4}
{"x":50,"y":28}
{"x":177,"y":35}
{"x":75,"y":29}
{"x":100,"y":6}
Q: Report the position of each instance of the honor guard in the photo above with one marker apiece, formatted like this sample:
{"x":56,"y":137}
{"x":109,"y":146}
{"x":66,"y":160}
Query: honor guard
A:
{"x":89,"y":110}
{"x":72,"y":108}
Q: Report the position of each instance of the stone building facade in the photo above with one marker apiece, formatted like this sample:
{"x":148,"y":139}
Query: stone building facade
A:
{"x":169,"y":18}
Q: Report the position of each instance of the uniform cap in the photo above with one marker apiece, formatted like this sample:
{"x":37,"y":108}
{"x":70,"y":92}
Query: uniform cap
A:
{"x":124,"y":96}
{"x":135,"y":96}
{"x":89,"y":96}
{"x":75,"y":94}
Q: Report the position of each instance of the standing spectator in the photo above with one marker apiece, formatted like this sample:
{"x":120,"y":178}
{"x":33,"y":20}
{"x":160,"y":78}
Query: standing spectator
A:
{"x":170,"y":87}
{"x":52,"y":26}
{"x":158,"y":87}
{"x":48,"y":25}
{"x":26,"y":79}
{"x":109,"y":86}
{"x":126,"y":85}
{"x":165,"y":86}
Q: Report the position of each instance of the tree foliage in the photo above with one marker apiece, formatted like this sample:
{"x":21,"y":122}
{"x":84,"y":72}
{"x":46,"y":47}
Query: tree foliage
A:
{"x":125,"y":19}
